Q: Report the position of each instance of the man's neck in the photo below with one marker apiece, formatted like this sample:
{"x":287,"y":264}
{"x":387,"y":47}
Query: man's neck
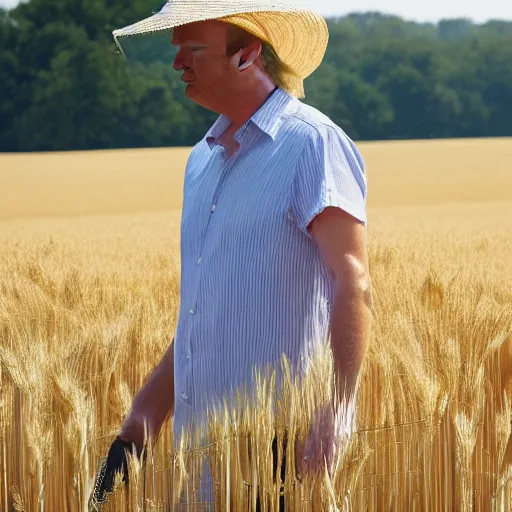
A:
{"x":241,"y":109}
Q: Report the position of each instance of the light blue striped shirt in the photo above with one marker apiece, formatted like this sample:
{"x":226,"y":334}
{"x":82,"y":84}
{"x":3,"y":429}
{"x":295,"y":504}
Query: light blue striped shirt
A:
{"x":253,"y":284}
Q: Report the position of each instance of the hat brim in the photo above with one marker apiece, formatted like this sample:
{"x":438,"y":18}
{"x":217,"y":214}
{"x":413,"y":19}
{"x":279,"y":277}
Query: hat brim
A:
{"x":181,"y":12}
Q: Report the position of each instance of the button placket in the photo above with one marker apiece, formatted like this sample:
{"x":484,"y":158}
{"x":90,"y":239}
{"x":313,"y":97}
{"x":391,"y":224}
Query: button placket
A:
{"x":186,"y":367}
{"x":186,"y":397}
{"x":224,"y":171}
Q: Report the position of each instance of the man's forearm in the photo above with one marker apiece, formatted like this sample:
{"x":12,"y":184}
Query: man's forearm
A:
{"x":350,"y":330}
{"x":154,"y":402}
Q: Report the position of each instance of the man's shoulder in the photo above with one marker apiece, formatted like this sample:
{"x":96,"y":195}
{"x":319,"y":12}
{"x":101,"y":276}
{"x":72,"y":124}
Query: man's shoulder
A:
{"x":317,"y":132}
{"x":311,"y":124}
{"x":313,"y":116}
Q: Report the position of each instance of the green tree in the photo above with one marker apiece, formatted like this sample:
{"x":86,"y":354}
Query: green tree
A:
{"x":63,"y":86}
{"x":361,"y":109}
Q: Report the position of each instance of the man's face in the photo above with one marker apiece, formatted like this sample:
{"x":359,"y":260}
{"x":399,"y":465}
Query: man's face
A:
{"x":207,"y":70}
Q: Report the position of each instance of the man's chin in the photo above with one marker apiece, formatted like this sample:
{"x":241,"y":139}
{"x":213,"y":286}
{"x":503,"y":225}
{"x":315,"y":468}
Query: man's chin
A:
{"x":193,"y":94}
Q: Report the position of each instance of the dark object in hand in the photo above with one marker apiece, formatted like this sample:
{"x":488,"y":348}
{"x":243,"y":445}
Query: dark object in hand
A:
{"x":115,"y":463}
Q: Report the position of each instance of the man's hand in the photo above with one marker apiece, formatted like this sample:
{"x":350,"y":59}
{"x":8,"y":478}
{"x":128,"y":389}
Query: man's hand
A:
{"x":116,"y":463}
{"x":329,"y":436}
{"x":153,"y":404}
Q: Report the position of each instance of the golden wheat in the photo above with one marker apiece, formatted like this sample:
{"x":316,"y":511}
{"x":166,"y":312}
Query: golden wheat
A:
{"x":89,"y":292}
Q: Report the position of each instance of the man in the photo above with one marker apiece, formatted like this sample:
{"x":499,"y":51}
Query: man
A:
{"x":273,"y":233}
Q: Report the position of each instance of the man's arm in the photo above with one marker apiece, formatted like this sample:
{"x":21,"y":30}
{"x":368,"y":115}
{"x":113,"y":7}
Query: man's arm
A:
{"x":342,"y":241}
{"x":154,"y":402}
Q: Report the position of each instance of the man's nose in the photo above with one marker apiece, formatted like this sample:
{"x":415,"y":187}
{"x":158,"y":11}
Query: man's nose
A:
{"x":179,"y":62}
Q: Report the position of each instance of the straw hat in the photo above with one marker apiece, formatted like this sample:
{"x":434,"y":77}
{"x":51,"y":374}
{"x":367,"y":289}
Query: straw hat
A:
{"x":298,"y":35}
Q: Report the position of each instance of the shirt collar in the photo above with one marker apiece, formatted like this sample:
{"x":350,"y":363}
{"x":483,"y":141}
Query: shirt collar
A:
{"x":267,"y":118}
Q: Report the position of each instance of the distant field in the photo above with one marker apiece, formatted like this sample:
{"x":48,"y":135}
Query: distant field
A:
{"x":400,"y":174}
{"x":428,"y":195}
{"x":89,"y":276}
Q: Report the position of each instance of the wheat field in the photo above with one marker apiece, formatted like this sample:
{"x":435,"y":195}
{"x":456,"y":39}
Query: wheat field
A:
{"x":89,"y":294}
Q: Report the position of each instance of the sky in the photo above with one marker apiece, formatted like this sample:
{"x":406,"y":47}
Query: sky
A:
{"x":426,"y":10}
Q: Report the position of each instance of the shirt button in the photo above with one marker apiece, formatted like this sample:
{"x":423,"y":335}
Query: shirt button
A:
{"x":184,"y":396}
{"x":188,"y":355}
{"x":191,"y":311}
{"x":199,"y":261}
{"x":213,"y":208}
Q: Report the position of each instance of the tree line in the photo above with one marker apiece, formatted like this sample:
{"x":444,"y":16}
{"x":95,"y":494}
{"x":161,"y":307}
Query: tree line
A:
{"x":64,"y":87}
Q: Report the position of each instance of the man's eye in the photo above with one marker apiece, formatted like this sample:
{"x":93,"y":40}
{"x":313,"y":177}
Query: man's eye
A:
{"x":196,"y":48}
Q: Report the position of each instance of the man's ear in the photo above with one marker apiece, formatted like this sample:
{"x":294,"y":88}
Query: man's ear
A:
{"x":248,"y":55}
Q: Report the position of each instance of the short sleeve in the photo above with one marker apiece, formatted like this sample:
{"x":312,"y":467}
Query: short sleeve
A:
{"x":330,"y":172}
